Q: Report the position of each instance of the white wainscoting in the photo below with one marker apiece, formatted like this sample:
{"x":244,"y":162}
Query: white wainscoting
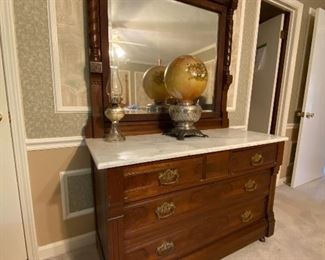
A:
{"x":66,"y":246}
{"x":54,"y":143}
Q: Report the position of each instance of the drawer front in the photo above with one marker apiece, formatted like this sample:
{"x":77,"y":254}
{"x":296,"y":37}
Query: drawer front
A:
{"x":257,"y":157}
{"x":152,"y":179}
{"x":182,"y":239}
{"x":217,"y":165}
{"x":147,"y":215}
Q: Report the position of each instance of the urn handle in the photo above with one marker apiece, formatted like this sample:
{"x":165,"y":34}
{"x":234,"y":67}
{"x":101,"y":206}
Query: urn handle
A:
{"x":166,"y":210}
{"x":246,"y":216}
{"x":257,"y":159}
{"x":165,"y":248}
{"x":250,"y":185}
{"x":168,"y":177}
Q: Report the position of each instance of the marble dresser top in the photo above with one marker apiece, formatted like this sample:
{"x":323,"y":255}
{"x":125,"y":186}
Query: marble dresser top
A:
{"x":155,"y":147}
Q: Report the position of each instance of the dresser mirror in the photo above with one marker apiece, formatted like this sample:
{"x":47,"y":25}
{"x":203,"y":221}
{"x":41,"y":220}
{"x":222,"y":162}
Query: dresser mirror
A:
{"x":128,"y":37}
{"x":146,"y":34}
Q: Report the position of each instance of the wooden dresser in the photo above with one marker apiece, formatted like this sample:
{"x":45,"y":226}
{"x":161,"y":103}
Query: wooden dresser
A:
{"x":204,"y":205}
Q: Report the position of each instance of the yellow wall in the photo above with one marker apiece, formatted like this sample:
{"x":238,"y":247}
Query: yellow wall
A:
{"x":44,"y":166}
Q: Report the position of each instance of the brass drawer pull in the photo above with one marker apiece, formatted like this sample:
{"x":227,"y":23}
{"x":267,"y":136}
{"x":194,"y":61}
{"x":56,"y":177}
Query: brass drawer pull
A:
{"x":165,"y":248}
{"x":166,"y":210}
{"x":168,"y":177}
{"x":257,"y":159}
{"x":246,"y":216}
{"x":250,"y":185}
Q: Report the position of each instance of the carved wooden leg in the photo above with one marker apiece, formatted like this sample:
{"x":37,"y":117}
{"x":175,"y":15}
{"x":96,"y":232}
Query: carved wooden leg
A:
{"x":262,"y":239}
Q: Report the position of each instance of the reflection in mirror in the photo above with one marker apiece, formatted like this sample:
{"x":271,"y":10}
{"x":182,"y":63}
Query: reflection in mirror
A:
{"x":147,"y":35}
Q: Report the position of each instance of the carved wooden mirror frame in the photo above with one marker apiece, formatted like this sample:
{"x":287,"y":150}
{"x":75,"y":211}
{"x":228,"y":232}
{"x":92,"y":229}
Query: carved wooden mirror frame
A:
{"x":154,"y":123}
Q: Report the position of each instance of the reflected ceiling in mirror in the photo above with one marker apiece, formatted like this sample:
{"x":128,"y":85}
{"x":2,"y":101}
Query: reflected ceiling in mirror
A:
{"x":144,"y":34}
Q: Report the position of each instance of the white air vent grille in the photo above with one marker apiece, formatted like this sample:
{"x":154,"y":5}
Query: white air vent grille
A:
{"x":76,"y":193}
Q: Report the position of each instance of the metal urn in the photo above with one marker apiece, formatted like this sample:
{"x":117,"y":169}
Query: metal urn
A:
{"x":185,"y":79}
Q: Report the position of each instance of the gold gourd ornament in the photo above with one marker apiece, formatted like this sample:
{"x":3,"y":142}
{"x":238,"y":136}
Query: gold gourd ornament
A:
{"x":185,"y":78}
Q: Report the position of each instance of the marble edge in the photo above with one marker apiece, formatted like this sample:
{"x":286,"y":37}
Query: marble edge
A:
{"x":107,"y":165}
{"x":92,"y":154}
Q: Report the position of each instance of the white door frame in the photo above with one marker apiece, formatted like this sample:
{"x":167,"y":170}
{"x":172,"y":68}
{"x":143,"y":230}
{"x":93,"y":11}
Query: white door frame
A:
{"x":10,"y":64}
{"x":295,"y":8}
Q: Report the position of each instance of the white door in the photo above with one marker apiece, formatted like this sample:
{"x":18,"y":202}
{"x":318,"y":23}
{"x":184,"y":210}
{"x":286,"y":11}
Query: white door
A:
{"x":265,"y":74}
{"x":310,"y":154}
{"x":12,"y":241}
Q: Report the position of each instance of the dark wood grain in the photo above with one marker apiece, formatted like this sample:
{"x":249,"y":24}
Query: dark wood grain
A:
{"x":141,"y":217}
{"x":195,"y":233}
{"x":241,"y":160}
{"x":209,"y":202}
{"x":228,"y":244}
{"x":275,"y":171}
{"x":142,"y":181}
{"x":280,"y":74}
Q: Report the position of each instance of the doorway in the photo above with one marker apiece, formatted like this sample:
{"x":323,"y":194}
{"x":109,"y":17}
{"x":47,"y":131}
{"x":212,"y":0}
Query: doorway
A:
{"x":12,"y":240}
{"x":269,"y":68}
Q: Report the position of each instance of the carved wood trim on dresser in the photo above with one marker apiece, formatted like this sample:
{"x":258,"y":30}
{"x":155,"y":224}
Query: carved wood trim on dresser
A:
{"x":196,"y":207}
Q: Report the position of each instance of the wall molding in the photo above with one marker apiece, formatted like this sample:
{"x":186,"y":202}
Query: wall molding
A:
{"x":65,"y":194}
{"x":54,"y":143}
{"x":244,"y":127}
{"x":55,"y":64}
{"x":15,"y":105}
{"x":67,"y":245}
{"x":292,"y":125}
{"x":281,"y":181}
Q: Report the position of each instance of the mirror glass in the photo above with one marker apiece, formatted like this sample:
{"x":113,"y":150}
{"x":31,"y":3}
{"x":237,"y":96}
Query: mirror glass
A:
{"x":148,"y":33}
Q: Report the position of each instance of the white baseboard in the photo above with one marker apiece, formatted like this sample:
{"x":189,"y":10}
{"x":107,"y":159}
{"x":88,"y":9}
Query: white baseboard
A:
{"x":54,"y":143}
{"x":292,"y":125}
{"x":281,"y":181}
{"x":66,"y":246}
{"x":244,"y":127}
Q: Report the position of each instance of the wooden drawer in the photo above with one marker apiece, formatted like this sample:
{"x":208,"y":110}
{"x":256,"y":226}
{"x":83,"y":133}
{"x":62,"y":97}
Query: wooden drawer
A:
{"x":177,"y":241}
{"x":253,"y":158}
{"x":143,"y":181}
{"x":217,"y":165}
{"x":149,"y":214}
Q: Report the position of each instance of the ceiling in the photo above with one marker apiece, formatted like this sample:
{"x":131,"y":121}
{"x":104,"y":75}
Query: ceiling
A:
{"x":148,"y":30}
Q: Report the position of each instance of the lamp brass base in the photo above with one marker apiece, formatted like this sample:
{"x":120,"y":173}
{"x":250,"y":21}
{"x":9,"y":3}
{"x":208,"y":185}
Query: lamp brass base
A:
{"x":180,"y":134}
{"x":184,"y":117}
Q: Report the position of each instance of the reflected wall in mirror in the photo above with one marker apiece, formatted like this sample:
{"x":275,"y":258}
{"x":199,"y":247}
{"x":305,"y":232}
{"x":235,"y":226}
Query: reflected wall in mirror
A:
{"x":147,"y":35}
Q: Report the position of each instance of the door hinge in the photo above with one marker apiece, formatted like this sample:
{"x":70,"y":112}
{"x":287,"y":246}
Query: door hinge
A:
{"x":283,"y":34}
{"x":9,"y":117}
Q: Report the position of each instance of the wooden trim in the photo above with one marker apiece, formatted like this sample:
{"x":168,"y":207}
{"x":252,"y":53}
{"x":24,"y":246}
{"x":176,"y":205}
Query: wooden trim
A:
{"x":100,"y":72}
{"x":15,"y":105}
{"x":280,"y":73}
{"x":235,"y":83}
{"x":295,"y":8}
{"x":54,"y":143}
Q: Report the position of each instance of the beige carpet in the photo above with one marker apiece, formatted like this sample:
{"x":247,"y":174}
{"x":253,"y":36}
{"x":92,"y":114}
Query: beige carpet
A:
{"x":299,"y":230}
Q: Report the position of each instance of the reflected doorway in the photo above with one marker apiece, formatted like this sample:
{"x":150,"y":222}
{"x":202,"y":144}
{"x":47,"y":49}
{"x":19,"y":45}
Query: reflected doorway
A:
{"x":269,"y":67}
